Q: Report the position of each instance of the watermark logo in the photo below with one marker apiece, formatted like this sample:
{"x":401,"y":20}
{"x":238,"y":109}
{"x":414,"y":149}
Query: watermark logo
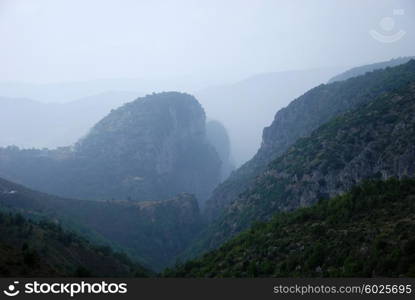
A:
{"x":387,"y":26}
{"x":70,"y":289}
{"x":12,"y":290}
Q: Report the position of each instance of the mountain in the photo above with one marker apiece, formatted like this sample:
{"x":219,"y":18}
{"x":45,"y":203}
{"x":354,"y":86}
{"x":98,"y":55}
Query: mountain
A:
{"x":27,"y":123}
{"x":247,"y":106}
{"x":374,"y":140}
{"x":150,"y":149}
{"x":299,"y":119}
{"x":367,"y":232}
{"x":44,"y":249}
{"x":153,"y":232}
{"x":61,"y":113}
{"x":68,"y":91}
{"x":357,"y":71}
{"x":71,"y":91}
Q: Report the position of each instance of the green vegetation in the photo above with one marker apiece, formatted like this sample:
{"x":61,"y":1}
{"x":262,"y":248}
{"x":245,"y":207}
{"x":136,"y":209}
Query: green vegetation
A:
{"x":35,"y":249}
{"x":357,"y":71}
{"x":322,"y":145}
{"x":367,"y":232}
{"x":152,"y":233}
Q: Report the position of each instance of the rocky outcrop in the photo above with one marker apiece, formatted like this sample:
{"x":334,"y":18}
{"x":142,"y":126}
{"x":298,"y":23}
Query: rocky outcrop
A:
{"x":300,"y":119}
{"x":150,"y":149}
{"x":218,"y":136}
{"x":375,"y":140}
{"x":247,"y":106}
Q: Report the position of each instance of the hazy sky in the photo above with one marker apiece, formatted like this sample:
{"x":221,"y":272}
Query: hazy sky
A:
{"x":46,"y":41}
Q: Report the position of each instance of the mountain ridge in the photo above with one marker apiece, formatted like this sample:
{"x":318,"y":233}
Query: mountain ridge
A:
{"x":361,"y":70}
{"x":374,"y":140}
{"x":299,"y":119}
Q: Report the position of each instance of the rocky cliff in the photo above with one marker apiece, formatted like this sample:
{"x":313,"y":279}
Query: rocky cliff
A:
{"x":300,"y":119}
{"x":375,"y":140}
{"x":150,"y":149}
{"x":219,"y":138}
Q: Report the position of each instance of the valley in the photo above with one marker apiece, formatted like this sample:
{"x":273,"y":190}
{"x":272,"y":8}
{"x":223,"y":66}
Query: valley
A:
{"x":153,"y":189}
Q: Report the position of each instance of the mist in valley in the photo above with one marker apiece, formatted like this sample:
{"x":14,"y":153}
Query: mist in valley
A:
{"x":243,"y":60}
{"x":161,"y":129}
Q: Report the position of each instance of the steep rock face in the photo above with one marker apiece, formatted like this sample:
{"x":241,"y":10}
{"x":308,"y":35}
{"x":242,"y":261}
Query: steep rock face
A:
{"x":154,"y":148}
{"x":247,"y":106}
{"x":299,"y":119}
{"x":153,"y":232}
{"x":150,"y":149}
{"x":218,"y":136}
{"x":376,"y":140}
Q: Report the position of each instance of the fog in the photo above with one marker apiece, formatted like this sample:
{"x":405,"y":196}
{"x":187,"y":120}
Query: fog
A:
{"x":62,"y":51}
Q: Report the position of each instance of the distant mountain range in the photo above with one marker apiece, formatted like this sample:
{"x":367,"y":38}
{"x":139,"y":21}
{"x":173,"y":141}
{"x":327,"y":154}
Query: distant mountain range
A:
{"x":56,"y":115}
{"x":30,"y":124}
{"x":244,"y":107}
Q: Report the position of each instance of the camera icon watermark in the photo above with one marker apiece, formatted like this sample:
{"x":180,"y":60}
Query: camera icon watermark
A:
{"x":387,"y":26}
{"x":12,"y":290}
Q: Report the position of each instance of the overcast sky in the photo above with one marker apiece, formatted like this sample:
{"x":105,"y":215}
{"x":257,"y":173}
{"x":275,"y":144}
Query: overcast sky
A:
{"x":47,"y":41}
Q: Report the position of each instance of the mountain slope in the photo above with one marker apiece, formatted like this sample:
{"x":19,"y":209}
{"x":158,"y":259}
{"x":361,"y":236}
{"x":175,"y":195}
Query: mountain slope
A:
{"x":150,"y":149}
{"x":365,"y":233}
{"x":154,"y":233}
{"x":357,"y":71}
{"x":300,"y":118}
{"x":377,"y":140}
{"x":247,"y":106}
{"x":218,"y":137}
{"x":44,"y":249}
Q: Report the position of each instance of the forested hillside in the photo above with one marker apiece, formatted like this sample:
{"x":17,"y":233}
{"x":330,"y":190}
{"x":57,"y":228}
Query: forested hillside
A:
{"x":361,"y":70}
{"x":44,"y":249}
{"x":367,"y":232}
{"x":153,"y":232}
{"x":304,"y":115}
